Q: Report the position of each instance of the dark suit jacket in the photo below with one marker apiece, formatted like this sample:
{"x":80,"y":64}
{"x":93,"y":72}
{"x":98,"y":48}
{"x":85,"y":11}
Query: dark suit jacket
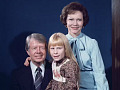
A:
{"x":22,"y":78}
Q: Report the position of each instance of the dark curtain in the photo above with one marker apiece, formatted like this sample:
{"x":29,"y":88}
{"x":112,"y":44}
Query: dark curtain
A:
{"x":116,"y":44}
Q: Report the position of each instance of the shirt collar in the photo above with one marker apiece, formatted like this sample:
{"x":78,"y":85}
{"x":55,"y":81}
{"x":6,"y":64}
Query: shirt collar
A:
{"x":33,"y":67}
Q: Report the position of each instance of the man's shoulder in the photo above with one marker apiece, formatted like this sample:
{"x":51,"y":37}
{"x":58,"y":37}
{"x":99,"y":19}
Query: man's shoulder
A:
{"x":48,"y":63}
{"x":21,"y":70}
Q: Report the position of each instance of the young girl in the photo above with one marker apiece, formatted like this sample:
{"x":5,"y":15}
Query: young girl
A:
{"x":64,"y":66}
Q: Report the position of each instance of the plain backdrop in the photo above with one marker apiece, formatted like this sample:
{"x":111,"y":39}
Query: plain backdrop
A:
{"x":19,"y":18}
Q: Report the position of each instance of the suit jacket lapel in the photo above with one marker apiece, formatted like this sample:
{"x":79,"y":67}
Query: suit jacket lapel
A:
{"x":47,"y":75}
{"x":29,"y":79}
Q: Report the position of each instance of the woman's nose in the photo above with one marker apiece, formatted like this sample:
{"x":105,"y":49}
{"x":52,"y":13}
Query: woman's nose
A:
{"x":75,"y":22}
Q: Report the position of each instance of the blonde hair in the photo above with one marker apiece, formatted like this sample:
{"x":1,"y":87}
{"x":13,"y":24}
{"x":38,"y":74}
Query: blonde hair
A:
{"x":61,"y":40}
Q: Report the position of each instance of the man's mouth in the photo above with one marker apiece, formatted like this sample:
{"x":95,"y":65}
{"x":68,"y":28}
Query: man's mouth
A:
{"x":38,"y":57}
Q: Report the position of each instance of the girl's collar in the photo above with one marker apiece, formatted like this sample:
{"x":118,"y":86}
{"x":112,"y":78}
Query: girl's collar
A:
{"x":60,"y":61}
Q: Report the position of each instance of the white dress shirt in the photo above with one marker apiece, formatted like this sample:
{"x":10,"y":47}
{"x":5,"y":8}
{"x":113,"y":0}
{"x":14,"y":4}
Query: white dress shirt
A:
{"x":34,"y":67}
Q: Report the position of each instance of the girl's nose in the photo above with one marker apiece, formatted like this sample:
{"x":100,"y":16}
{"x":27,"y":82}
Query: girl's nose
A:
{"x":55,"y":51}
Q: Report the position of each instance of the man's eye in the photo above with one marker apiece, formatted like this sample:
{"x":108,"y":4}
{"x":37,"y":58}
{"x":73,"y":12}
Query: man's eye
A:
{"x":34,"y":48}
{"x":42,"y":47}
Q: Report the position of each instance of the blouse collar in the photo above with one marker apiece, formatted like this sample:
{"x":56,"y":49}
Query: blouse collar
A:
{"x":79,"y":36}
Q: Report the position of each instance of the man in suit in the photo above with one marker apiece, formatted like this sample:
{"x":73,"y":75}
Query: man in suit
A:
{"x":23,"y":78}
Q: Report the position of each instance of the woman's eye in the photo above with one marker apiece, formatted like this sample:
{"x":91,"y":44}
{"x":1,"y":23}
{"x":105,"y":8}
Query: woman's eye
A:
{"x":71,"y":19}
{"x":79,"y":19}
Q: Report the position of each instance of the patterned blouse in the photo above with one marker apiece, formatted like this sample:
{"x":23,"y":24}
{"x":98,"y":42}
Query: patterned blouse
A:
{"x":65,"y":76}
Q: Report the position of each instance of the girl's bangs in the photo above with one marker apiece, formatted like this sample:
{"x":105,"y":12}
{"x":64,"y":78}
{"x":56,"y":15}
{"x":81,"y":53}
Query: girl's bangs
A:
{"x":56,"y":42}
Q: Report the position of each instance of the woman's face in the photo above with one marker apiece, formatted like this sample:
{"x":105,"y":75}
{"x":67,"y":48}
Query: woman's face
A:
{"x":57,"y":52}
{"x":74,"y":23}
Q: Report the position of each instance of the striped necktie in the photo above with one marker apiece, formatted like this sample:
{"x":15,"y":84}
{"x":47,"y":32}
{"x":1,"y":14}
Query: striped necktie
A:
{"x":38,"y":79}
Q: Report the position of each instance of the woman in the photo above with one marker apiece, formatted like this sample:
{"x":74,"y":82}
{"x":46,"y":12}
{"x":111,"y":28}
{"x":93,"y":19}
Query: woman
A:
{"x":92,"y":73}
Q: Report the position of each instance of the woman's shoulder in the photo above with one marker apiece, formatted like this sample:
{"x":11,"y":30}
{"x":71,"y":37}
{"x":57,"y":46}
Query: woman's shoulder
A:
{"x":88,"y":38}
{"x":90,"y":41}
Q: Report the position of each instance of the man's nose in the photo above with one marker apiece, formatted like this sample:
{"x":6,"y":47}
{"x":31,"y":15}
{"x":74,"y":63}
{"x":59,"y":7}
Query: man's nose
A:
{"x":38,"y":50}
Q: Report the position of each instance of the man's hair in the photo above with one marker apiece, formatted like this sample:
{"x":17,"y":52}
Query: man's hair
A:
{"x":39,"y":37}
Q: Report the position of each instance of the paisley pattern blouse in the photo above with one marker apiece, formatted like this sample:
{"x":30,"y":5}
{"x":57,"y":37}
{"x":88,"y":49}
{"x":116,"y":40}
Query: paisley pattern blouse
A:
{"x":65,"y":76}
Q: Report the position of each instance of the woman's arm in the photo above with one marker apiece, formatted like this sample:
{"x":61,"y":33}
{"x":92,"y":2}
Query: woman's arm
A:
{"x":98,"y":67}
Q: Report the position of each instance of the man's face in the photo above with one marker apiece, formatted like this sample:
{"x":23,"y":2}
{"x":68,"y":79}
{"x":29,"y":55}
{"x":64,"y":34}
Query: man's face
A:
{"x":36,"y":51}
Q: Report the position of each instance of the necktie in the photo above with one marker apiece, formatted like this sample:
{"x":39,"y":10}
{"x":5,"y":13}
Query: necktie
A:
{"x":38,"y":79}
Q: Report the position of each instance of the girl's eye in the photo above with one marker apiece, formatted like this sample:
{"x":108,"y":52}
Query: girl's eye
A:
{"x":51,"y":48}
{"x":59,"y":48}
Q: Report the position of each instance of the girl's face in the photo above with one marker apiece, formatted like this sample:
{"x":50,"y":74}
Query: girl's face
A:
{"x":74,"y":23}
{"x":57,"y":52}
